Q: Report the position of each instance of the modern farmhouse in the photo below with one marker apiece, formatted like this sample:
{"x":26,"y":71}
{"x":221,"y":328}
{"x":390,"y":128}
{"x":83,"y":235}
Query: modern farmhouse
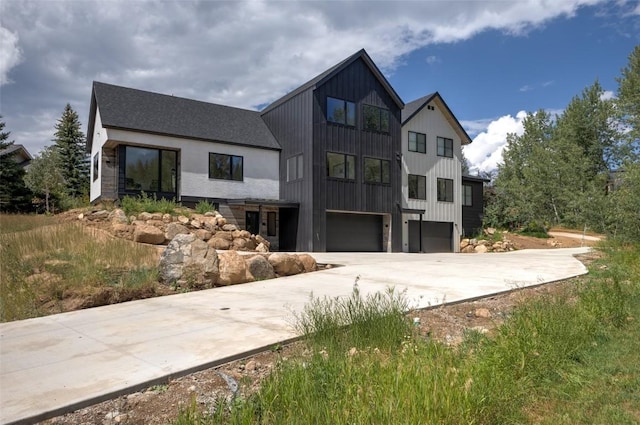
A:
{"x":338,"y":164}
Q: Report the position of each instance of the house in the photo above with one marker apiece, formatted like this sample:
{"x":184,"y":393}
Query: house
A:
{"x":330,"y":166}
{"x":19,"y":153}
{"x":432,"y":187}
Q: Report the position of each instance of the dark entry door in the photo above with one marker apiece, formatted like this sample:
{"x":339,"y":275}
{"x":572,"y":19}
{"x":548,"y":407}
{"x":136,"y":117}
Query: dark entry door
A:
{"x":436,"y":236}
{"x":252,"y":223}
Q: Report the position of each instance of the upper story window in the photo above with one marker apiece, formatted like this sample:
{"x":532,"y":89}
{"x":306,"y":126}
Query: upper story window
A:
{"x":341,"y":166}
{"x":341,"y":111}
{"x":225,"y":167}
{"x":445,"y":190}
{"x":467,"y":195}
{"x":377,"y":171}
{"x":445,"y":147}
{"x":376,"y":118}
{"x":294,"y":168}
{"x":417,"y":187}
{"x":417,"y":142}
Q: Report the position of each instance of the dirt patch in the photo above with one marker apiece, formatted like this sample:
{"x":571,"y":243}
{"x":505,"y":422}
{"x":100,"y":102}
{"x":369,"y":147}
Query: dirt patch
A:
{"x":529,"y":242}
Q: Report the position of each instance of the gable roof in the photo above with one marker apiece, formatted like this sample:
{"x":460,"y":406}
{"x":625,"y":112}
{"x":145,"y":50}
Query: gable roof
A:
{"x":329,"y":73}
{"x":19,"y":152}
{"x":411,"y":109}
{"x":137,"y":110}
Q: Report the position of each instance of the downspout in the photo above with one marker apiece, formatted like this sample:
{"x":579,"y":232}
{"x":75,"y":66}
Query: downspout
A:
{"x":260,"y":219}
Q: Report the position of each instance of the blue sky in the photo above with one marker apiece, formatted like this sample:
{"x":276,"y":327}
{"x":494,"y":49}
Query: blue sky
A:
{"x":490,"y":60}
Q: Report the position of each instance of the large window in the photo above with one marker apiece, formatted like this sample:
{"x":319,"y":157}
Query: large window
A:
{"x":445,"y":147}
{"x":376,"y":118}
{"x":467,"y":195}
{"x":417,"y":142}
{"x":96,"y":159}
{"x":294,"y":168}
{"x":445,"y":190}
{"x":341,"y":166}
{"x":341,"y":111}
{"x":376,"y":171}
{"x":417,"y":187}
{"x":150,"y":170}
{"x":225,"y":167}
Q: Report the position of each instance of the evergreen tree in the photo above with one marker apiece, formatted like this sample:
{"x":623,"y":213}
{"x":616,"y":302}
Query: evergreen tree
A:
{"x":45,"y":177}
{"x":69,"y":142}
{"x":14,"y":195}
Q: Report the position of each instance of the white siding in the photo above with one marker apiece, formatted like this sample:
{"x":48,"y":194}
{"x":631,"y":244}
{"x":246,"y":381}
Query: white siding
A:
{"x":433,"y":124}
{"x":99,"y":139}
{"x":260,"y":166}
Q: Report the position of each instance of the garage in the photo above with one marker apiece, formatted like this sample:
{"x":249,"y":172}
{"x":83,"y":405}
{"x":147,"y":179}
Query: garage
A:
{"x":436,"y":236}
{"x":354,"y":232}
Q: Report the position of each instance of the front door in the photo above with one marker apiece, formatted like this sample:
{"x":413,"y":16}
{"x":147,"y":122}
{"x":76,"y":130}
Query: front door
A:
{"x":252,"y":223}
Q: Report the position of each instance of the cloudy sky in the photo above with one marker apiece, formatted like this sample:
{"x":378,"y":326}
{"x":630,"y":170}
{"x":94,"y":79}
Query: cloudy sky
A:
{"x":491,"y":60}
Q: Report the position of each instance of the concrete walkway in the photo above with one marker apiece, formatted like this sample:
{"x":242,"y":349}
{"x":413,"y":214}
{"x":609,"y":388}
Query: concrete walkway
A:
{"x":56,"y":364}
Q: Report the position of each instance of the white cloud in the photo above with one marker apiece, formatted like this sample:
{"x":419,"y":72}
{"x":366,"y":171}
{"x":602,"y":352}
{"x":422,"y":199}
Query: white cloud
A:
{"x":607,"y":95}
{"x":433,"y":60}
{"x":10,"y":54}
{"x":548,"y":83}
{"x":526,"y":87}
{"x":237,"y":53}
{"x":485,"y":152}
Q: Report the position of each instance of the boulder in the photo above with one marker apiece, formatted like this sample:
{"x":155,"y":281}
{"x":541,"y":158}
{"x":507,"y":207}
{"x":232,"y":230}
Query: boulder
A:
{"x":118,"y":216}
{"x":99,"y":215}
{"x":467,"y":249}
{"x":260,"y":268}
{"x":224,"y":235}
{"x":156,"y":223}
{"x":148,"y":234}
{"x":480,"y":249}
{"x":174,"y":229}
{"x":195,"y":223}
{"x":210,"y":214}
{"x":233,"y":269}
{"x":262,"y":248}
{"x":124,"y":231}
{"x":210,"y":223}
{"x":483,"y":313}
{"x":189,"y":261}
{"x":239,"y":244}
{"x":203,"y":234}
{"x":156,"y":216}
{"x":308,"y":262}
{"x":464,"y":243}
{"x":167,"y":218}
{"x":221,"y":221}
{"x":219,"y":243}
{"x":183,"y":220}
{"x":261,"y":240}
{"x":144,"y":216}
{"x":490,"y":231}
{"x":229,"y":227}
{"x":286,"y":264}
{"x":241,"y":234}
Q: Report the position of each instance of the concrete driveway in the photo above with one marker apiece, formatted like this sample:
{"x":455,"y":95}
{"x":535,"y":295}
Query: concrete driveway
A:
{"x":55,"y":364}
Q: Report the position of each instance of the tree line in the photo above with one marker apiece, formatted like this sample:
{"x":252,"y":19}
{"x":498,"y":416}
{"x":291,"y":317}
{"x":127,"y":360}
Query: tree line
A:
{"x":57,"y":178}
{"x":579,"y":169}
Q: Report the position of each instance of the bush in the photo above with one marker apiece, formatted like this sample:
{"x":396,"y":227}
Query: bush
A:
{"x":204,"y":207}
{"x":534,"y":228}
{"x":144,"y":203}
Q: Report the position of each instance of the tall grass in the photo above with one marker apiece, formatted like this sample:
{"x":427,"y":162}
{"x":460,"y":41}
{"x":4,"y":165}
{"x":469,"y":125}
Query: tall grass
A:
{"x":144,"y":203}
{"x":56,"y":262}
{"x":378,"y":371}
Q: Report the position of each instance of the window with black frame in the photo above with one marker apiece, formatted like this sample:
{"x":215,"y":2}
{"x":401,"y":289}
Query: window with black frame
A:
{"x":341,"y":111}
{"x":445,"y":190}
{"x":376,"y":171}
{"x":150,"y":170}
{"x":417,"y":187}
{"x":375,"y":118}
{"x":225,"y":167}
{"x":417,"y":142}
{"x":341,"y":166}
{"x":445,"y":147}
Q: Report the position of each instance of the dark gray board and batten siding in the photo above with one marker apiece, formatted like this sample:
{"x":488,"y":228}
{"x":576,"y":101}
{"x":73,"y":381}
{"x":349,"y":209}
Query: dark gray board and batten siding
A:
{"x":472,"y":216}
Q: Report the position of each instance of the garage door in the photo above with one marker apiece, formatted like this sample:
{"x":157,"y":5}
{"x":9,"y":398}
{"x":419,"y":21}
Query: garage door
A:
{"x":436,"y":236}
{"x":354,"y":232}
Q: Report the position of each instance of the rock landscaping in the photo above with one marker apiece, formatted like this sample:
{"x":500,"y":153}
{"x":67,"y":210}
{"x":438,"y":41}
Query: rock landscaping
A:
{"x":203,"y":250}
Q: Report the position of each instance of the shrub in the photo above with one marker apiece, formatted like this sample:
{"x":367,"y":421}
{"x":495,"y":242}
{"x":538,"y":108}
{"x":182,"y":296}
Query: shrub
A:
{"x":144,"y":203}
{"x":204,"y":207}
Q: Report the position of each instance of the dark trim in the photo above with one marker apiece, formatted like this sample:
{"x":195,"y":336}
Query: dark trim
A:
{"x":475,"y":179}
{"x":429,"y":99}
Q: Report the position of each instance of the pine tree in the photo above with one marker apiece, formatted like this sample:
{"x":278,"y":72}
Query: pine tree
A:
{"x":69,"y":142}
{"x":14,"y":195}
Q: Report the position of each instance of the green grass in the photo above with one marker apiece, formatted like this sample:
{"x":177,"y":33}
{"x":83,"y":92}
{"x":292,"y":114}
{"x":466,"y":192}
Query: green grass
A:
{"x":49,"y":264}
{"x":144,"y":203}
{"x":204,"y":207}
{"x":563,"y":359}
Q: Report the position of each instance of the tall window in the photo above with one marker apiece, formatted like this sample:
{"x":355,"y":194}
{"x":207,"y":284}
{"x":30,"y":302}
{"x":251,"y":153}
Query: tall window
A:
{"x":417,"y":142}
{"x":417,"y":187}
{"x":225,"y":167}
{"x":294,"y":168}
{"x":445,"y":147}
{"x":445,"y":190}
{"x":467,"y":195}
{"x":96,"y":159}
{"x":341,"y":166}
{"x":376,"y":171}
{"x":151,"y":170}
{"x":376,"y":118}
{"x":341,"y":111}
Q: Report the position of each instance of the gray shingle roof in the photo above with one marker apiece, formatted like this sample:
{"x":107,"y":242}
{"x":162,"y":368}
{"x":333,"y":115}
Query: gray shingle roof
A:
{"x":138,"y":110}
